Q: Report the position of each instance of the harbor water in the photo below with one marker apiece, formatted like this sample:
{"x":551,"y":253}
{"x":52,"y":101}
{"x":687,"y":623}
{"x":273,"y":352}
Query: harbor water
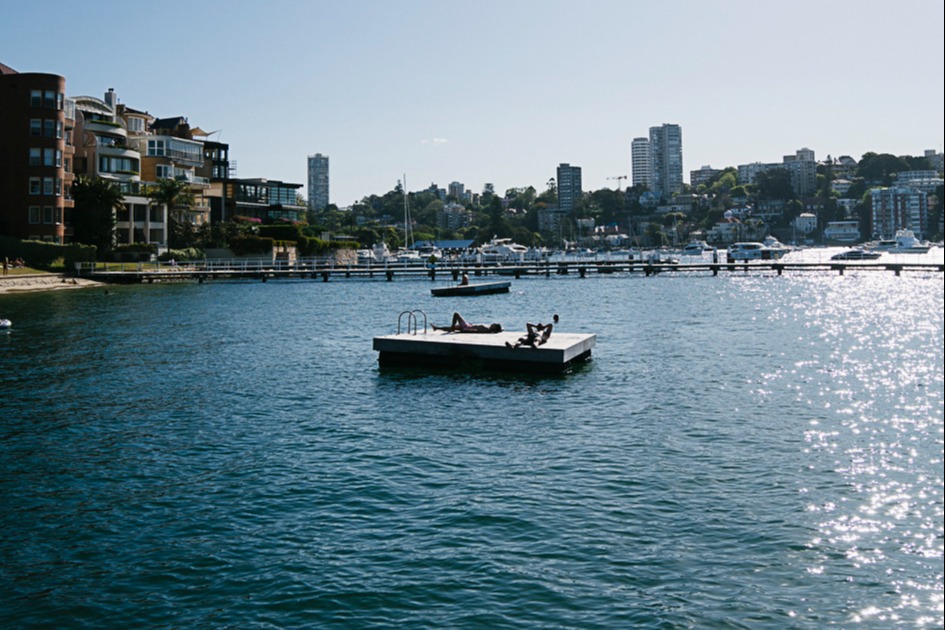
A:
{"x":746,"y":450}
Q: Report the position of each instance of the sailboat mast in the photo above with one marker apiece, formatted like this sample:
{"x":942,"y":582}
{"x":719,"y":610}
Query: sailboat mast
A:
{"x":407,"y":228}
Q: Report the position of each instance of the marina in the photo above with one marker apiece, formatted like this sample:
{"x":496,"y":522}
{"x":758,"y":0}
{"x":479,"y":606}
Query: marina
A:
{"x":657,"y":262}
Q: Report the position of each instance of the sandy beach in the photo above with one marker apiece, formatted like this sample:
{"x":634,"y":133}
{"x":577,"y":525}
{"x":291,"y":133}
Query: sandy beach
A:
{"x":42,"y":282}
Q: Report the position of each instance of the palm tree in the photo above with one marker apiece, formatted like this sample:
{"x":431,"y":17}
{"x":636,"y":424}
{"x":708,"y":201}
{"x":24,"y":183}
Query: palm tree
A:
{"x":93,"y":217}
{"x":175,"y":194}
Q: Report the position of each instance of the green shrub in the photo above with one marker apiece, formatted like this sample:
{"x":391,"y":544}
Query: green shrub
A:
{"x":249,"y":244}
{"x":189,"y":253}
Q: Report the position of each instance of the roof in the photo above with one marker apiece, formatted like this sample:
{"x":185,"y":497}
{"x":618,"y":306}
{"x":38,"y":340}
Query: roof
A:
{"x":168,"y":123}
{"x":5,"y":69}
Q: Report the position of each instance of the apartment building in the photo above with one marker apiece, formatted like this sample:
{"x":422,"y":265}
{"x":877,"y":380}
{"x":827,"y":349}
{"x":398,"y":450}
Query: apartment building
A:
{"x":569,"y":187}
{"x":801,"y":166}
{"x":36,"y":149}
{"x":666,"y":161}
{"x":899,"y":209}
{"x":640,"y":162}
{"x":318,"y":198}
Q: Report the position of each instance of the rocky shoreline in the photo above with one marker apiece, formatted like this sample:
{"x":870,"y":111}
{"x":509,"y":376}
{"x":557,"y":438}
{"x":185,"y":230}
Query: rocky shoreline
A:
{"x":43,"y":282}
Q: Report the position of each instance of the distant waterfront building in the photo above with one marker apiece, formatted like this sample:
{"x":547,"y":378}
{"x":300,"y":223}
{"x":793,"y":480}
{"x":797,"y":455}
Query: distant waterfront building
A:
{"x":454,"y":216}
{"x":842,"y":232}
{"x":666,"y":161}
{"x":317,"y":182}
{"x":703,"y":176}
{"x":264,"y":199}
{"x":926,"y":181}
{"x":553,"y":224}
{"x":457,"y":190}
{"x":897,"y":209}
{"x":801,"y":166}
{"x":36,"y":142}
{"x":805,"y":223}
{"x":569,"y":187}
{"x":640,"y":161}
{"x":935,"y":159}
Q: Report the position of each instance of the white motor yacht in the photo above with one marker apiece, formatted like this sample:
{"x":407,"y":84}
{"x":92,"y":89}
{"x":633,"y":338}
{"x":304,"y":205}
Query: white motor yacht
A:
{"x":755,"y":251}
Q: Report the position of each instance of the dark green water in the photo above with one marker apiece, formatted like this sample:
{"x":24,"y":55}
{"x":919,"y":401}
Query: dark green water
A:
{"x":742,"y":451}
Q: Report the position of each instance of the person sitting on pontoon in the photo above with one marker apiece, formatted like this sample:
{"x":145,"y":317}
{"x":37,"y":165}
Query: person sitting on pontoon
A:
{"x":462,"y":326}
{"x":537,"y":335}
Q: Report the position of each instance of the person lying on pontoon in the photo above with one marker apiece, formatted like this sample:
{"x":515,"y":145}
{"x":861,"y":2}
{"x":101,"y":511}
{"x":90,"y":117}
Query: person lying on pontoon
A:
{"x":462,"y":326}
{"x":537,"y":335}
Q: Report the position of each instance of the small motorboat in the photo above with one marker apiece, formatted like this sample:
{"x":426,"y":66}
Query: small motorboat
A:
{"x":857,"y":253}
{"x":5,"y":324}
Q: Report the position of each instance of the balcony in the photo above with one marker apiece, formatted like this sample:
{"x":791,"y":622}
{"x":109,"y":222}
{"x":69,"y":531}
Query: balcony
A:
{"x":106,"y":128}
{"x":119,"y":151}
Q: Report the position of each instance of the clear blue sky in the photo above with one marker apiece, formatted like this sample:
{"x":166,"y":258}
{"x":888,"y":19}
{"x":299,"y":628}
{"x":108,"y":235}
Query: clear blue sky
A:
{"x":502,"y":91}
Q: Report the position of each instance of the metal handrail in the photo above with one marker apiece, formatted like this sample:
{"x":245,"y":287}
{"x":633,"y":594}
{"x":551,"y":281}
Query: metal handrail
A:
{"x":412,"y":318}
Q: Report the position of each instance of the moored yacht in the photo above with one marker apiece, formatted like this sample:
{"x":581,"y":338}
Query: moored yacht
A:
{"x":696,"y":248}
{"x":503,"y":250}
{"x":755,"y":251}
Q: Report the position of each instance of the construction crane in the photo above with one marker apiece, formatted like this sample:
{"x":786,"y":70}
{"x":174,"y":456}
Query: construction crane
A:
{"x":618,"y":178}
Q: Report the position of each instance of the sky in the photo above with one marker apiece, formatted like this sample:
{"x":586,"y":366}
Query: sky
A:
{"x":502,"y":91}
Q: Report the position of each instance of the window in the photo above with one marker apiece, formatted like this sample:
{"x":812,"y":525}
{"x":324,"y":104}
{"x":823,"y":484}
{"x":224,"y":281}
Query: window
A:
{"x":136,"y":125}
{"x":36,"y":127}
{"x":35,"y":156}
{"x":60,"y":99}
{"x":164,"y":171}
{"x":156,"y":148}
{"x":59,"y":129}
{"x":49,"y":99}
{"x":57,"y":215}
{"x":35,"y":185}
{"x":36,"y":98}
{"x":48,"y":214}
{"x":59,"y":187}
{"x":34,"y":214}
{"x":48,"y":185}
{"x":49,"y":156}
{"x":49,"y":128}
{"x":57,"y":159}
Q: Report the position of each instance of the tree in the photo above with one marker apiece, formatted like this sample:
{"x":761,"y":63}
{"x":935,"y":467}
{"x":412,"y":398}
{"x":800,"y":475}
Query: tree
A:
{"x":880,"y":168}
{"x":93,"y":217}
{"x":774,"y":183}
{"x":175,"y":194}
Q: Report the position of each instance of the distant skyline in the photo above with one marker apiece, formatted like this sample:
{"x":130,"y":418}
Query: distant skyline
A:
{"x":502,"y":91}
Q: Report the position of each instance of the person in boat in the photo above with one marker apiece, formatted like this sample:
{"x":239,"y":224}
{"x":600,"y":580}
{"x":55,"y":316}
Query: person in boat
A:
{"x":536,"y":335}
{"x":462,"y":326}
{"x":465,"y":281}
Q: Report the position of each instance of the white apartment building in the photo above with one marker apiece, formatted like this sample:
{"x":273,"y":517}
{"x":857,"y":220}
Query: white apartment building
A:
{"x":640,"y":161}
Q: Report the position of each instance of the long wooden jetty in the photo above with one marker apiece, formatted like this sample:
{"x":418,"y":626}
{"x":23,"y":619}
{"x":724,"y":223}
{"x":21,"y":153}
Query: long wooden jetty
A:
{"x":325,"y":270}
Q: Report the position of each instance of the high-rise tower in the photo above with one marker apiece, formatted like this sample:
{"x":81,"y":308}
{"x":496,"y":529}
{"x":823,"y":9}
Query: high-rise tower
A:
{"x":569,"y":186}
{"x":317,"y":182}
{"x":640,"y":161}
{"x":666,"y":166}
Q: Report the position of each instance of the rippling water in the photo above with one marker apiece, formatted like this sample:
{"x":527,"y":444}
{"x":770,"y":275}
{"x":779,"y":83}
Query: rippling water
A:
{"x":742,"y":451}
